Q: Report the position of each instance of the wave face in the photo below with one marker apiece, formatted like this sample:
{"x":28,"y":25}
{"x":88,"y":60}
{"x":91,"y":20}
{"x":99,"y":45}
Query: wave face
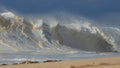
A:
{"x":17,"y":34}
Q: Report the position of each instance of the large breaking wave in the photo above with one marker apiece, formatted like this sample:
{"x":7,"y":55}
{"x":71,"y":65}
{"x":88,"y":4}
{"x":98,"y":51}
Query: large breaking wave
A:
{"x":18,"y":34}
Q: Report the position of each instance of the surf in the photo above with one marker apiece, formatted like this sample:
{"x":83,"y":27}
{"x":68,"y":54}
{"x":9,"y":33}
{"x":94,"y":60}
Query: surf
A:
{"x":19,"y":34}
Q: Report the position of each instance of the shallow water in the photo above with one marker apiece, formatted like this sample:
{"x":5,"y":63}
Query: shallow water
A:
{"x":17,"y":57}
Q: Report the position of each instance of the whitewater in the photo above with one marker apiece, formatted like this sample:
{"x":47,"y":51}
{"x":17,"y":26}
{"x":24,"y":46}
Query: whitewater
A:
{"x":54,"y":38}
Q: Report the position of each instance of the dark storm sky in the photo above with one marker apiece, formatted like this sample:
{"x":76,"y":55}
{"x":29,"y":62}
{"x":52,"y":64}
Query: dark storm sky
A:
{"x":98,"y":9}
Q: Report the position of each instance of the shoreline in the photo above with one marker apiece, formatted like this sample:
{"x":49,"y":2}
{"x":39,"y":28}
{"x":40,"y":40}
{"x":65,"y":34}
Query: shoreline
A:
{"x":107,"y":62}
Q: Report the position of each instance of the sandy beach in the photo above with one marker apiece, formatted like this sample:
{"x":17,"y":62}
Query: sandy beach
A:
{"x":111,"y":62}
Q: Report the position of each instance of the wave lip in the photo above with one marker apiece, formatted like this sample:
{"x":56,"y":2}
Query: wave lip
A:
{"x":17,"y":34}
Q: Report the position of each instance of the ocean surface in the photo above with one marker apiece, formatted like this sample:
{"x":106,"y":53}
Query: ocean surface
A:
{"x":57,"y":37}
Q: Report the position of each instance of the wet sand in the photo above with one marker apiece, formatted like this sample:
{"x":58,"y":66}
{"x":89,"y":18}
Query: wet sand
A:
{"x":109,"y":62}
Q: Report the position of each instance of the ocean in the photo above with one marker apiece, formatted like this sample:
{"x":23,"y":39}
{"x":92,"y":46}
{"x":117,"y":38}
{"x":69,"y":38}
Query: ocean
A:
{"x":54,"y":38}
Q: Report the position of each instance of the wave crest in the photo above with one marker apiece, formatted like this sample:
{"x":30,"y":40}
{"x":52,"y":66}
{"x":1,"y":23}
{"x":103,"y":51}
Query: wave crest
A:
{"x":22,"y":35}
